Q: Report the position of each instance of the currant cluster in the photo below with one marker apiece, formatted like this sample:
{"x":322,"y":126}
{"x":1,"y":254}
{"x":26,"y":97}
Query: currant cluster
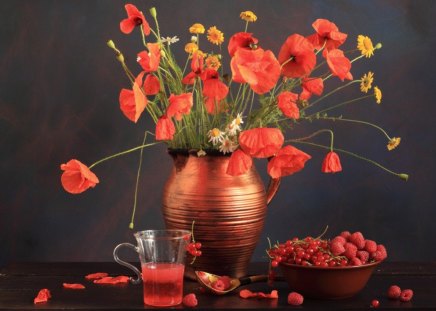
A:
{"x":193,"y":248}
{"x":345,"y":249}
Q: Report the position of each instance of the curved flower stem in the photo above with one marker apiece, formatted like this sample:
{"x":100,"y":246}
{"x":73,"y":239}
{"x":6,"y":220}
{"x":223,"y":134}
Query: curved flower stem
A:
{"x":135,"y":198}
{"x":301,"y":139}
{"x":122,"y":153}
{"x":401,"y":175}
{"x":356,"y":121}
{"x":340,"y":105}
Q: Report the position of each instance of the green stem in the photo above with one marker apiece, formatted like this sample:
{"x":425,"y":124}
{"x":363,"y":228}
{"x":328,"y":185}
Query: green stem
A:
{"x":122,"y":153}
{"x":316,"y":134}
{"x":401,"y":175}
{"x":339,"y":105}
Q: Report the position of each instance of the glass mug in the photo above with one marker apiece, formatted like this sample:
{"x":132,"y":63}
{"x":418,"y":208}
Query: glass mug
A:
{"x":162,"y":254}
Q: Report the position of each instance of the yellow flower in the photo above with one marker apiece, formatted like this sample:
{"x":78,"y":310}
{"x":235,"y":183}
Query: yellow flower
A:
{"x":213,"y":62}
{"x":393,"y":143}
{"x":201,"y":54}
{"x":191,"y":47}
{"x":248,"y":16}
{"x":366,"y":82}
{"x":364,"y":44}
{"x":215,"y":36}
{"x":377,"y":94}
{"x":196,"y":28}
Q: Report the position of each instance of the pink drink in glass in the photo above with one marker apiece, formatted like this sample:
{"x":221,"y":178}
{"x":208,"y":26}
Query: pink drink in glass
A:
{"x":163,"y":284}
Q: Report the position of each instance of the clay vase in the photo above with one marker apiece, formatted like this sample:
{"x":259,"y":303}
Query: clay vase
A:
{"x":229,"y":211}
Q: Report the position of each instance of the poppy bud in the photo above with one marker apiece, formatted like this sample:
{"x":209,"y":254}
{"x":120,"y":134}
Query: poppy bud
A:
{"x":153,"y":12}
{"x":111,"y":44}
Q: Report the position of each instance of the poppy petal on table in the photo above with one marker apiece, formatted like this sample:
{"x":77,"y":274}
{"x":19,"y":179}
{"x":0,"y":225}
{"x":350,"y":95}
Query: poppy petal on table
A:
{"x":288,"y":161}
{"x":122,"y":279}
{"x":242,"y":40}
{"x":239,"y":163}
{"x":261,"y":142}
{"x":134,"y":18}
{"x":339,"y":65}
{"x":245,"y":293}
{"x":73,"y":286}
{"x":259,"y":68}
{"x":331,"y":163}
{"x":149,"y":60}
{"x":43,"y":296}
{"x":95,"y":276}
{"x":297,"y":57}
{"x":179,"y":105}
{"x":287,"y":103}
{"x":165,"y":128}
{"x":77,"y":177}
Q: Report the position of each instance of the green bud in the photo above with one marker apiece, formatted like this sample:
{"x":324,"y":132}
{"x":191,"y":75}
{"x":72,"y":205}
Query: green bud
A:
{"x":131,"y":225}
{"x":111,"y":44}
{"x":120,"y":57}
{"x":153,"y":12}
{"x":378,"y":46}
{"x":404,"y":176}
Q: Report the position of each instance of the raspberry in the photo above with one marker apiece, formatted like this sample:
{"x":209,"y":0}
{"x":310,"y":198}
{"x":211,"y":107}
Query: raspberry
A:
{"x":190,"y":300}
{"x":375,"y":303}
{"x":339,"y":239}
{"x":370,"y":246}
{"x":337,"y":248}
{"x":357,"y":239}
{"x":363,"y":256}
{"x":350,"y":250}
{"x":226,"y":281}
{"x":394,"y":292}
{"x":218,"y":285}
{"x":406,"y":295}
{"x":345,"y":234}
{"x":380,"y":254}
{"x":295,"y":299}
{"x":355,"y":262}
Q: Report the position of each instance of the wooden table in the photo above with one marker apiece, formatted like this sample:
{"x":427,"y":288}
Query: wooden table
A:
{"x":20,"y":282}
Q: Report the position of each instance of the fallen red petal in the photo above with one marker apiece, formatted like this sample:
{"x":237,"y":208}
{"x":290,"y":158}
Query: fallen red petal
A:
{"x":73,"y":286}
{"x":96,"y":276}
{"x":43,"y":296}
{"x":122,"y":279}
{"x":245,"y":293}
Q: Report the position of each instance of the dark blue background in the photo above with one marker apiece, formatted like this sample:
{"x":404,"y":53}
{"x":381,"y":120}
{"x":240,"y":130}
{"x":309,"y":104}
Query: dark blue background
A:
{"x":59,"y":87}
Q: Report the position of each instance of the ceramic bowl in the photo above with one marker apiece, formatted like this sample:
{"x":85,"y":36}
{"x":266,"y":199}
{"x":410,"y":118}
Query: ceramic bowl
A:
{"x":327,"y":283}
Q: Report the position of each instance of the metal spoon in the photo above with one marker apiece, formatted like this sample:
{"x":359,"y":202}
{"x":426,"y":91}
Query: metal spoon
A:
{"x":206,"y":279}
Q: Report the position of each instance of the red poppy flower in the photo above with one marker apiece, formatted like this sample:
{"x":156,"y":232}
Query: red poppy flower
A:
{"x":331,"y":163}
{"x":261,"y":142}
{"x":239,"y":163}
{"x":189,"y":78}
{"x":213,"y":90}
{"x":339,"y":65}
{"x":197,"y":63}
{"x":297,"y":53}
{"x":133,"y":102}
{"x":242,"y":40}
{"x":134,"y":18}
{"x":151,"y":85}
{"x":179,"y":105}
{"x":43,"y":296}
{"x":259,"y":68}
{"x":288,"y":161}
{"x":287,"y":104}
{"x":77,"y":177}
{"x":165,"y":128}
{"x":311,"y":86}
{"x":327,"y":32}
{"x":149,"y":61}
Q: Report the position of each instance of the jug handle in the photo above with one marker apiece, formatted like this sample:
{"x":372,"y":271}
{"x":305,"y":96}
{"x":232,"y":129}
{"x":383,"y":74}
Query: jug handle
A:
{"x":126,"y":264}
{"x":273,"y":186}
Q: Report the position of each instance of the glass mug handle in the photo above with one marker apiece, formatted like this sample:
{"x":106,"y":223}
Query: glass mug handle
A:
{"x":126,"y":264}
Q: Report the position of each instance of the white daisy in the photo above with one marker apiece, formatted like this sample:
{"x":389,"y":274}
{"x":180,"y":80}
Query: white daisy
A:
{"x":169,"y":40}
{"x":194,"y":39}
{"x":234,"y":127}
{"x":215,"y":136}
{"x":227,"y":146}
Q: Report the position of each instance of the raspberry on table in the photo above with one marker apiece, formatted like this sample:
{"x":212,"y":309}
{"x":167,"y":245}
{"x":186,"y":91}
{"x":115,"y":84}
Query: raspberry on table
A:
{"x":295,"y":299}
{"x":375,"y":303}
{"x":406,"y":295}
{"x":394,"y":292}
{"x":190,"y":300}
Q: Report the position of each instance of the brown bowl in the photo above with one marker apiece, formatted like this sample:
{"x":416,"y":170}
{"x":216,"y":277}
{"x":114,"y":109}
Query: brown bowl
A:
{"x":327,"y":283}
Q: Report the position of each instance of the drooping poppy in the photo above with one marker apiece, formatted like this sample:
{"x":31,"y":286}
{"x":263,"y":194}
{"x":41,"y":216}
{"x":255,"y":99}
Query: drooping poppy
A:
{"x":214,"y":90}
{"x":328,"y":33}
{"x":73,"y":286}
{"x":133,"y":102}
{"x":179,"y":105}
{"x":331,"y":163}
{"x":311,"y":86}
{"x":149,"y":61}
{"x":165,"y":128}
{"x":134,"y":18}
{"x":339,"y":65}
{"x":43,"y":296}
{"x":261,"y":142}
{"x":259,"y":68}
{"x":239,"y":163}
{"x":151,"y":85}
{"x":297,"y":57}
{"x":242,"y":40}
{"x":287,"y":104}
{"x":288,"y":161}
{"x":189,"y":78}
{"x":77,"y":177}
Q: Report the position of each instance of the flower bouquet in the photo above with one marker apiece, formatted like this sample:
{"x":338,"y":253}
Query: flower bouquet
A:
{"x":239,"y":98}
